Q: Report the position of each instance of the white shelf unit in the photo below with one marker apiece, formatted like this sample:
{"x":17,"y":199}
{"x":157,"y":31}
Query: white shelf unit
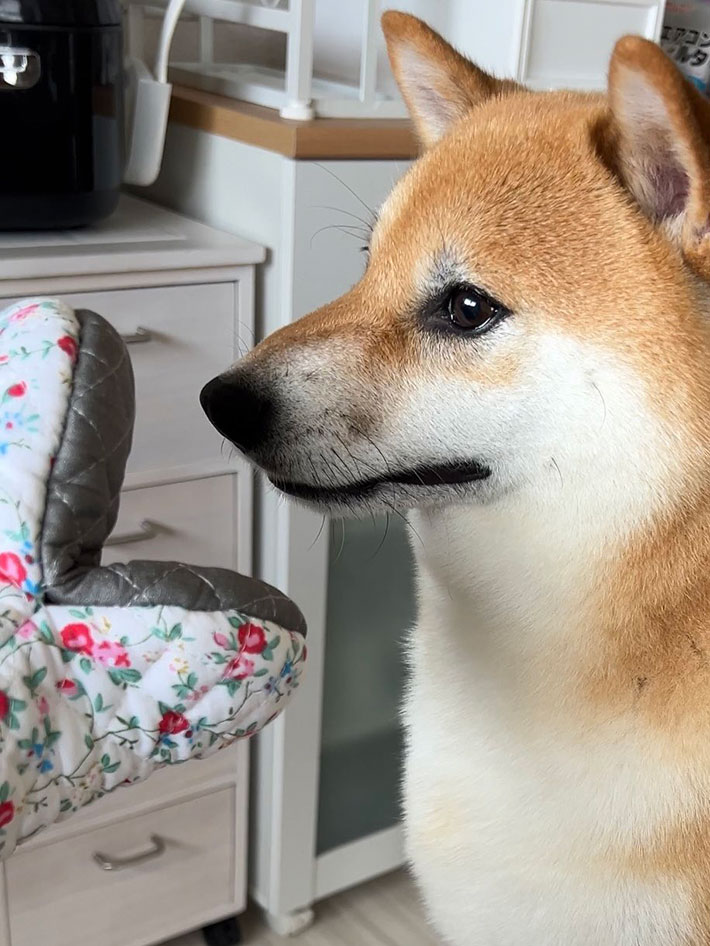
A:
{"x":294,"y":90}
{"x":335,"y":61}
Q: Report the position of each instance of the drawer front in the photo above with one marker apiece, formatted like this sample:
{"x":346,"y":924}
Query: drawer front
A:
{"x":170,"y":785}
{"x":194,"y":521}
{"x":191,"y":337}
{"x":59,"y":895}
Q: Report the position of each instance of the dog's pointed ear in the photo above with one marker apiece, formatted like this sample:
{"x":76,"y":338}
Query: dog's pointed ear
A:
{"x":660,"y":144}
{"x":438,"y":84}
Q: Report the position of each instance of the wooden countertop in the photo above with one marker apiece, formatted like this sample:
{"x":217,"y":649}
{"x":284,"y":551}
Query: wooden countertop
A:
{"x":321,"y":138}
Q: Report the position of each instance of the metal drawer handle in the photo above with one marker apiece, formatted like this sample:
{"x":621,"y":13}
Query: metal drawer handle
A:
{"x":106,"y":862}
{"x":146,"y":531}
{"x":139,"y":337}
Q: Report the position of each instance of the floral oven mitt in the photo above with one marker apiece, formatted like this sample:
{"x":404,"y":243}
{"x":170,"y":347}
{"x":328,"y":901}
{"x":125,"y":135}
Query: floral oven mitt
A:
{"x":106,"y":673}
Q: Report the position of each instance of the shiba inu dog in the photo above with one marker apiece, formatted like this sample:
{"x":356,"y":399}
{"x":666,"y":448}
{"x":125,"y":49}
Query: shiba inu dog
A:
{"x":525,"y":369}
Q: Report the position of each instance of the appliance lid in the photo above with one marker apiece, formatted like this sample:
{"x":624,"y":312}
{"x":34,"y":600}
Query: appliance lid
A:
{"x":71,"y":13}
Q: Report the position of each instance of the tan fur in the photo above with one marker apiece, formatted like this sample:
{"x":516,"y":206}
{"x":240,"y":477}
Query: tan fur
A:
{"x":689,"y":115}
{"x":654,"y":618}
{"x":462,"y":86}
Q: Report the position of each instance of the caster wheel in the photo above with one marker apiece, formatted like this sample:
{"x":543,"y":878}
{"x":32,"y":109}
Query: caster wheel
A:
{"x":225,"y":933}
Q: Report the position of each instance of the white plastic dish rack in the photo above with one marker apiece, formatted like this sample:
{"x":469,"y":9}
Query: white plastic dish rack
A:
{"x":295,"y":91}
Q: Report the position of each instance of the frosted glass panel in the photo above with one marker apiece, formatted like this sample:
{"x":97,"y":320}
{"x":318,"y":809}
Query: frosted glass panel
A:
{"x":370,"y":609}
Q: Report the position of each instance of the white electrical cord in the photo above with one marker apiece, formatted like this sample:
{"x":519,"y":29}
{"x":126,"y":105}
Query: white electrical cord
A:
{"x":172,"y":15}
{"x":149,"y":105}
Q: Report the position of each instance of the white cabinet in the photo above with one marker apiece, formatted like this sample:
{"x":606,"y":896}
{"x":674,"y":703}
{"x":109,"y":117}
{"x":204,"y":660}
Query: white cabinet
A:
{"x":174,"y":865}
{"x":181,"y":295}
{"x":199,"y":519}
{"x":325,"y":810}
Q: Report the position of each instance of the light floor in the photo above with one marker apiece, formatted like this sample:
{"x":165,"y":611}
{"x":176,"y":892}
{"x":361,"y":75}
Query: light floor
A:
{"x":384,"y":912}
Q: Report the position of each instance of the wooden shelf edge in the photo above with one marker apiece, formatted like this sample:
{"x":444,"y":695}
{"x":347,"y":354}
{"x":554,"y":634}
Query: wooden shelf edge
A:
{"x":322,"y":138}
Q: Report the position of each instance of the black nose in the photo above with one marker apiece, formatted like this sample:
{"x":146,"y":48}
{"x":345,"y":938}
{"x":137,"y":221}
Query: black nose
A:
{"x":239,"y":411}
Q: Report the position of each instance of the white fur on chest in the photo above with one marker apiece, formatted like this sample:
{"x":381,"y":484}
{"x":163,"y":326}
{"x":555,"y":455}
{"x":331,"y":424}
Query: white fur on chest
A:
{"x":515,"y":805}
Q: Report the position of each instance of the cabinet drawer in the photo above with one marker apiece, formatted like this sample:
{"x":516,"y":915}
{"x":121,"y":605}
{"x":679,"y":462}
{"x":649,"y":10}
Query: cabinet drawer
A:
{"x":194,"y":521}
{"x":169,"y":785}
{"x":59,"y":895}
{"x":191,"y":337}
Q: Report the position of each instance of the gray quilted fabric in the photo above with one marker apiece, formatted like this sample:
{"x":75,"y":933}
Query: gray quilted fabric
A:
{"x":83,"y":498}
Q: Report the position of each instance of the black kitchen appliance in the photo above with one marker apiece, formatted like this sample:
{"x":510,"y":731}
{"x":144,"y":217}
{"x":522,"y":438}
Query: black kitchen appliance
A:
{"x":61,"y":112}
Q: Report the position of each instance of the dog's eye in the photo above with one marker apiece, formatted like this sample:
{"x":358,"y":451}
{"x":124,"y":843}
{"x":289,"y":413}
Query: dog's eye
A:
{"x":472,"y":310}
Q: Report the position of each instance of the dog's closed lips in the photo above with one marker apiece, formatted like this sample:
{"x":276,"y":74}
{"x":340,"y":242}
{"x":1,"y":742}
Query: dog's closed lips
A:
{"x":447,"y":474}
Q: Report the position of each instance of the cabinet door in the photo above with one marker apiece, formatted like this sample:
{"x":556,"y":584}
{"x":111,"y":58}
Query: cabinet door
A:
{"x":370,"y":610}
{"x":568,"y":43}
{"x":303,"y":801}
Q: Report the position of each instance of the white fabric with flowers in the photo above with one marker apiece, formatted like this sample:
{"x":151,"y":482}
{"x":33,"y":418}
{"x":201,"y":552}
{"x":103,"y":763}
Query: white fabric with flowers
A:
{"x":90,"y":697}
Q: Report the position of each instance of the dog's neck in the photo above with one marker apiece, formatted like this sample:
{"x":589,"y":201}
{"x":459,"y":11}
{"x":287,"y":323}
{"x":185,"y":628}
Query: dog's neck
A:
{"x":556,"y":602}
{"x":519,"y":569}
{"x":545,"y":567}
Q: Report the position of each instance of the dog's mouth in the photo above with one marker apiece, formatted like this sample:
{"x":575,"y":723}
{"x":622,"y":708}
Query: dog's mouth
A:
{"x":427,"y":477}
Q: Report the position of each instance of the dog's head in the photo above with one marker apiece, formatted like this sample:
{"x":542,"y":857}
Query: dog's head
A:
{"x":530,"y":310}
